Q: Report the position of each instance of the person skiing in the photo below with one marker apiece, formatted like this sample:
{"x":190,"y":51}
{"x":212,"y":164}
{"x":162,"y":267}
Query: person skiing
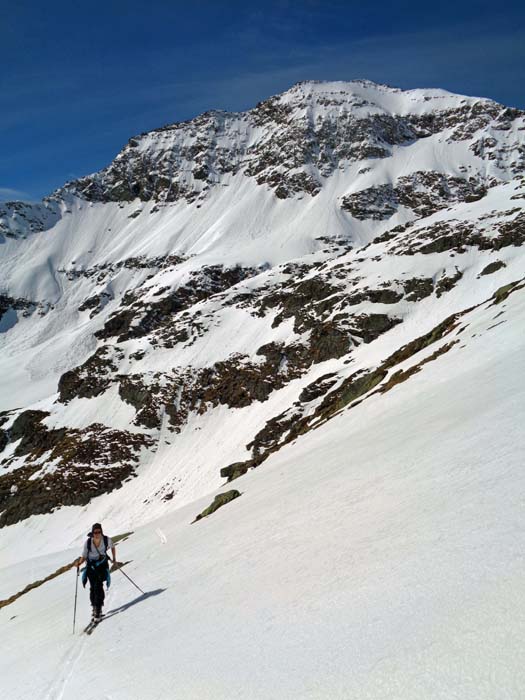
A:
{"x":95,"y":554}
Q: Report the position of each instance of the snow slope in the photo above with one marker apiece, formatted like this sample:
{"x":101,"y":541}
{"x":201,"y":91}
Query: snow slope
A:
{"x":378,"y":557}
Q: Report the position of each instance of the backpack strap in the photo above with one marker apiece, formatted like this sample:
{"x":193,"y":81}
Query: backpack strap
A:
{"x":89,"y":548}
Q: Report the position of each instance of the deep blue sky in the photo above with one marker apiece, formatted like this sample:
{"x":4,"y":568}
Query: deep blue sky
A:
{"x":77,"y":79}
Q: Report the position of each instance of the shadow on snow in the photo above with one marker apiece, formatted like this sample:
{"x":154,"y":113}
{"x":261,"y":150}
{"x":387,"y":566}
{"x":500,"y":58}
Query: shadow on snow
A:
{"x":135,"y":601}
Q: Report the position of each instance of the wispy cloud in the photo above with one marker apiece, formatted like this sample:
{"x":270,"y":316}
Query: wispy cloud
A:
{"x":8,"y":194}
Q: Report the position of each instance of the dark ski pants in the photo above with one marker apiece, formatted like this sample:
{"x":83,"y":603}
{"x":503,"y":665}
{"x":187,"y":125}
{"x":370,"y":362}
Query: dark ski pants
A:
{"x":96,"y":577}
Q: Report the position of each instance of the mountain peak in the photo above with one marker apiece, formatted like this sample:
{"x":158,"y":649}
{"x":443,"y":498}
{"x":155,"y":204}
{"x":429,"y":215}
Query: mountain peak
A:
{"x":358,"y":92}
{"x":292,"y":142}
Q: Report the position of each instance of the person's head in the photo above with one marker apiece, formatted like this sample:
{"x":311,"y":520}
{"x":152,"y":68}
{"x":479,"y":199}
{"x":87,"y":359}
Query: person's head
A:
{"x":96,"y":530}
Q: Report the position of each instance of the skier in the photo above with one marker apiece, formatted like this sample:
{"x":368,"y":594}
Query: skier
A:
{"x":97,"y":570}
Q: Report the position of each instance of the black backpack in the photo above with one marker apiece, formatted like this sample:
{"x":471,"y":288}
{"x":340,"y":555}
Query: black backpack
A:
{"x":89,"y":544}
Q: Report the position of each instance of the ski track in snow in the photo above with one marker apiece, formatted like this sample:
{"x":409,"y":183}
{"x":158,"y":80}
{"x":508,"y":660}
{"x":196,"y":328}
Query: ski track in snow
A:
{"x":71,"y":658}
{"x":67,"y":665}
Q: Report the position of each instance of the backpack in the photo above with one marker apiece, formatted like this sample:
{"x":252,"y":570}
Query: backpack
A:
{"x":89,"y":546}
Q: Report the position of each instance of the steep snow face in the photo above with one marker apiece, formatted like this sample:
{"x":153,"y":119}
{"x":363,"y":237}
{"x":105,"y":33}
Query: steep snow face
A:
{"x":237,"y":280}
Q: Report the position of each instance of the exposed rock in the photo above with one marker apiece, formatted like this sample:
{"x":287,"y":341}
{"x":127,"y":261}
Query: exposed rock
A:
{"x":445,"y":283}
{"x":35,"y":439}
{"x":492,"y":267}
{"x":117,"y":325}
{"x":510,"y":233}
{"x":298,"y":301}
{"x":95,"y":304}
{"x":455,"y":240}
{"x":423,"y":341}
{"x":4,"y":439}
{"x":402,"y":375}
{"x":221,"y":500}
{"x":104,"y":272}
{"x":378,"y":202}
{"x":349,"y":391}
{"x":370,"y":326}
{"x":391,"y":234}
{"x":375,"y":296}
{"x":425,"y":192}
{"x":327,"y":342}
{"x":383,"y":296}
{"x":90,"y":379}
{"x":27,"y":307}
{"x":64,"y":466}
{"x":18,"y":304}
{"x":318,"y":388}
{"x":237,"y":385}
{"x":237,"y":469}
{"x":19,"y":219}
{"x":458,"y":235}
{"x":134,"y":391}
{"x":76,"y":486}
{"x":504,"y":292}
{"x":140,"y":319}
{"x":418,"y":288}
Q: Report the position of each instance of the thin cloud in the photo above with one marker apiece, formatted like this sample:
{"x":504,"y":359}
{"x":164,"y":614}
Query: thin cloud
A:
{"x":9,"y":194}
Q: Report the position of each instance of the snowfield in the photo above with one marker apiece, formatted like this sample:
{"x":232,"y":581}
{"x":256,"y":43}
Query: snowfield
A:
{"x":379,"y":557}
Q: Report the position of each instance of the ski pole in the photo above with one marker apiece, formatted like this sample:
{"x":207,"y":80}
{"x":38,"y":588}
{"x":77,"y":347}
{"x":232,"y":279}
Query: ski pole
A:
{"x":75,"y":610}
{"x":125,"y":574}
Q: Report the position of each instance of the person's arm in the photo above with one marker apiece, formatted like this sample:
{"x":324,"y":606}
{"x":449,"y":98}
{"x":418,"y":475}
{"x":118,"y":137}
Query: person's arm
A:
{"x":83,"y":557}
{"x":113,"y":550}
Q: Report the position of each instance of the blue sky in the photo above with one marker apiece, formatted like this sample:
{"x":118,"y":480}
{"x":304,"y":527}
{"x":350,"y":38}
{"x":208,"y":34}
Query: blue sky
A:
{"x":77,"y":80}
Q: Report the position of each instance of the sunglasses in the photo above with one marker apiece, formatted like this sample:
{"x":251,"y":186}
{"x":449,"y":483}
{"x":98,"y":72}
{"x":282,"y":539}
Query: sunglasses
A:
{"x":97,"y":532}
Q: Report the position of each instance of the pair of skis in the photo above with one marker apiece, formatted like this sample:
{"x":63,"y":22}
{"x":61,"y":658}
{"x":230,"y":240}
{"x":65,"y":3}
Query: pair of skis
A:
{"x":93,"y":624}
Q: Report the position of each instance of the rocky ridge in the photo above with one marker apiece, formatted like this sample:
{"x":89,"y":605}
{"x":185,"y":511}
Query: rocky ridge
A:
{"x":293,"y":142}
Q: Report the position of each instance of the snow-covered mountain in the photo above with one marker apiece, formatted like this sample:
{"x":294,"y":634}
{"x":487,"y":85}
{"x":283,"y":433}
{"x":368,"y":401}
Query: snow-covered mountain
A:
{"x":320,"y":300}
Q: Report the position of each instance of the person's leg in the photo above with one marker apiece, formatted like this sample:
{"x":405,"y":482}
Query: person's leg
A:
{"x":103,"y":575}
{"x":98,"y":589}
{"x":93,"y":584}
